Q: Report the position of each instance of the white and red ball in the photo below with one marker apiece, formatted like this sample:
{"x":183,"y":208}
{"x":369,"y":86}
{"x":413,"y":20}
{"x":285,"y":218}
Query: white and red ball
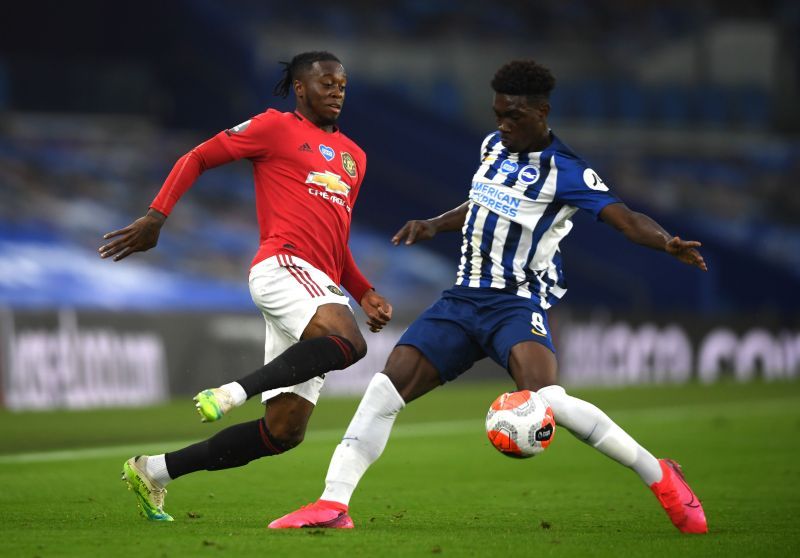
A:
{"x":520,"y":424}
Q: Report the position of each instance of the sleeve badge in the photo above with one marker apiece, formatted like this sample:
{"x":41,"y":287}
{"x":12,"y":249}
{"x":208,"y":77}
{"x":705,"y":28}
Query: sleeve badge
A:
{"x":239,"y":128}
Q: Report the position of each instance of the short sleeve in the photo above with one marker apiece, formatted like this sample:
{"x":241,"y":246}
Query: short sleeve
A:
{"x":581,"y":187}
{"x":252,"y":138}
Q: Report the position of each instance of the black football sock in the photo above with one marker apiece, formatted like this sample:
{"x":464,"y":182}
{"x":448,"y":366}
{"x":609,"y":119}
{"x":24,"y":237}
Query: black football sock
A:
{"x":235,"y":446}
{"x":300,"y":362}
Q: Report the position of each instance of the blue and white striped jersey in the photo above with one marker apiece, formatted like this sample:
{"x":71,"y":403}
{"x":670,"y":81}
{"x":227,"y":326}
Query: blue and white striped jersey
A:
{"x":520,"y":206}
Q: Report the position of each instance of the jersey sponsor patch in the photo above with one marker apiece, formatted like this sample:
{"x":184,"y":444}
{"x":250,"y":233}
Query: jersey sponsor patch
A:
{"x":327,"y":152}
{"x":349,"y":164}
{"x":332,"y":182}
{"x":503,"y":201}
{"x":239,"y":128}
{"x":508,"y":167}
{"x":593,"y":181}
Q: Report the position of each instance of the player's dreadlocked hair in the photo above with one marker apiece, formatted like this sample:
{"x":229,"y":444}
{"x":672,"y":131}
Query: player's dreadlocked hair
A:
{"x":524,"y":77}
{"x":299,"y":64}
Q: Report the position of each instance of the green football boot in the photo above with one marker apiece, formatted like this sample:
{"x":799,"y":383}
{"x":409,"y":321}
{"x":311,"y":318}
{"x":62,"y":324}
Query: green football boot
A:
{"x":149,"y":494}
{"x":212,"y":404}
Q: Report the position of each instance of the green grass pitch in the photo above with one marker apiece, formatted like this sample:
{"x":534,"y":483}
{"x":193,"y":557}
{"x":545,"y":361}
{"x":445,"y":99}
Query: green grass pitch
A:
{"x":438,"y":489}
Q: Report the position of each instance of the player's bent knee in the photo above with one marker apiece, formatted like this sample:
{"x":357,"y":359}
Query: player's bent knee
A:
{"x":411,"y":373}
{"x":359,"y":346}
{"x":292,"y":441}
{"x":287,"y":438}
{"x":286,"y":431}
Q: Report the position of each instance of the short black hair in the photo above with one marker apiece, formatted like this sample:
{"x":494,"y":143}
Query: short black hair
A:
{"x":299,"y":64}
{"x":524,"y":77}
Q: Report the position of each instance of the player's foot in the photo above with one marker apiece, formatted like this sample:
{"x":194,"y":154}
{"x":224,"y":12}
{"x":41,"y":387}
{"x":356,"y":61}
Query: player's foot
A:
{"x":149,"y":494}
{"x":321,"y":514}
{"x":211,"y":404}
{"x":681,"y":504}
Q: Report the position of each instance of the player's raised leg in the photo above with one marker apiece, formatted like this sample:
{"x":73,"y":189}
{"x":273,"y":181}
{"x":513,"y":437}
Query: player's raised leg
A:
{"x":331,"y":341}
{"x":300,"y":362}
{"x":318,"y":330}
{"x":533,"y":366}
{"x":408,"y":375}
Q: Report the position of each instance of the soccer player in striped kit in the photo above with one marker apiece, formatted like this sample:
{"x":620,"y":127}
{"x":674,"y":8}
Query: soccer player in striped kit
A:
{"x":527,"y":187}
{"x":307,"y":177}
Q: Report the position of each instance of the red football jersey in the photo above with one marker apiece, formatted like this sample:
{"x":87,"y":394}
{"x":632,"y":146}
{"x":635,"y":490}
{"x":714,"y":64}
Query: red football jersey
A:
{"x":306,"y":183}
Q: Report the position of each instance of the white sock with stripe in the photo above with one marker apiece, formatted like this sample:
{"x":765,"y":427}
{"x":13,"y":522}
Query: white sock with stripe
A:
{"x":592,"y":426}
{"x":364,"y":440}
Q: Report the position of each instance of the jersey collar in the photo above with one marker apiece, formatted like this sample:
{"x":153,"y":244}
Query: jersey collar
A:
{"x":304,"y":120}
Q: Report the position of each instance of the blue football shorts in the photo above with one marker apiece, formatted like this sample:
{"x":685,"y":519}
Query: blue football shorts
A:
{"x":467,"y":324}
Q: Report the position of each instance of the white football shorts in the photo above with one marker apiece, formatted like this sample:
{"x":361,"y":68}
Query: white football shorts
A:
{"x":288,"y":292}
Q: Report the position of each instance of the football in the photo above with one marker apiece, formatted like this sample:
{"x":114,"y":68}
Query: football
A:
{"x":520,"y":424}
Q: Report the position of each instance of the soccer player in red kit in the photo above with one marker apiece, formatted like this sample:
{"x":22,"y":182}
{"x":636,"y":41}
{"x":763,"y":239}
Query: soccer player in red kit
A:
{"x":307,"y":177}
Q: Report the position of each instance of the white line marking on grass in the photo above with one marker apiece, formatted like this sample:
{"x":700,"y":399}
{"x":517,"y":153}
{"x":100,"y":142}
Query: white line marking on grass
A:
{"x":665,"y":414}
{"x":413,"y":430}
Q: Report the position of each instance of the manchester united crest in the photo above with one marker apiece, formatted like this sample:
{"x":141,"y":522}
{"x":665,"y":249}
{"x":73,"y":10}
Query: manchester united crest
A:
{"x":349,"y":164}
{"x":335,"y":290}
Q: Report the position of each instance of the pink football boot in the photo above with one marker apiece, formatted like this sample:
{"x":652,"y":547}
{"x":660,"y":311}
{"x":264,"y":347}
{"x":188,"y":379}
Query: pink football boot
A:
{"x":322,"y":514}
{"x":678,"y":500}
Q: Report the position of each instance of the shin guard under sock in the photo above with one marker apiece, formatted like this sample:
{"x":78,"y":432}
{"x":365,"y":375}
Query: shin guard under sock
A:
{"x":592,"y":426}
{"x":235,"y":446}
{"x":300,"y":362}
{"x":364,"y":440}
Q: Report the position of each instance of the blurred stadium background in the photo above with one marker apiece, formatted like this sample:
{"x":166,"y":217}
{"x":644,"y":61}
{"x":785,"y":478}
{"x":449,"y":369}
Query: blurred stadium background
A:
{"x":688,"y":110}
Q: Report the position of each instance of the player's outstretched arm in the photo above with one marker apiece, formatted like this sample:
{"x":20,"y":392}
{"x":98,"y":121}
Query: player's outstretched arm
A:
{"x":414,"y":231}
{"x":641,"y":229}
{"x":139,"y":236}
{"x":143,"y":233}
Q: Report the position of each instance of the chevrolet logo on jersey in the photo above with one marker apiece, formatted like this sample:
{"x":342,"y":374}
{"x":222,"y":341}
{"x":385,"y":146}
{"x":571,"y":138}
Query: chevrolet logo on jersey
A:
{"x":330,"y":181}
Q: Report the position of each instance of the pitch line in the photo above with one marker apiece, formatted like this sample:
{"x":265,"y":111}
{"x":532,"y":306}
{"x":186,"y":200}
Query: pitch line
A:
{"x":415,"y":430}
{"x":427,"y":429}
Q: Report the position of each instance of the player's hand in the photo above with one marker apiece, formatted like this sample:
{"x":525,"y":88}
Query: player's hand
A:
{"x":686,"y":251}
{"x":139,"y":236}
{"x":377,"y":309}
{"x":414,"y":231}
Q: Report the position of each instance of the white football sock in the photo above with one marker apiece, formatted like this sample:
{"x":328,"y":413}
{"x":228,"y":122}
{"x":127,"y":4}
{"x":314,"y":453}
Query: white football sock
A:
{"x":364,"y":440}
{"x":156,"y":469}
{"x":591,"y":425}
{"x":237,"y":392}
